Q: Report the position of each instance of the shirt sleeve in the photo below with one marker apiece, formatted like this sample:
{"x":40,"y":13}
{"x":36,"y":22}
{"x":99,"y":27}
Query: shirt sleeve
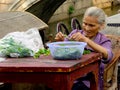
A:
{"x":106,"y":43}
{"x":110,"y":56}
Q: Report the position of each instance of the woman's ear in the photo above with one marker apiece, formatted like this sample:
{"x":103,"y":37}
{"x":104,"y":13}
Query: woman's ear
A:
{"x":102,"y":26}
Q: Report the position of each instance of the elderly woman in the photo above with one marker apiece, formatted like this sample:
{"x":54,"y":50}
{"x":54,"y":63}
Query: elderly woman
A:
{"x":93,"y":21}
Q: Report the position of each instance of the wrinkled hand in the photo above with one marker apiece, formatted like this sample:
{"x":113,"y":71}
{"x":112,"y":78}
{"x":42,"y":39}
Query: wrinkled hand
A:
{"x":59,"y":36}
{"x":78,"y":37}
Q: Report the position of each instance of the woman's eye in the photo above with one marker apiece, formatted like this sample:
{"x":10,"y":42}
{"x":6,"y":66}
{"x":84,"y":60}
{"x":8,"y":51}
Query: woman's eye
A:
{"x":85,"y":23}
{"x":91,"y":25}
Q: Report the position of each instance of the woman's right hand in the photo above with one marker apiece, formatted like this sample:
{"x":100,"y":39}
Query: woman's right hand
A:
{"x":59,"y":36}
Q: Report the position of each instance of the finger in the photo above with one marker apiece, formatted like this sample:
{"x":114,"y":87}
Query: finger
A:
{"x":73,"y":36}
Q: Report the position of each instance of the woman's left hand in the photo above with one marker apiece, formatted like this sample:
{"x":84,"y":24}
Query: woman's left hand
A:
{"x":78,"y":37}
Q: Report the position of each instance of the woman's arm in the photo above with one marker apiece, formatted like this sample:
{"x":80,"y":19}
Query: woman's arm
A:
{"x":96,"y":47}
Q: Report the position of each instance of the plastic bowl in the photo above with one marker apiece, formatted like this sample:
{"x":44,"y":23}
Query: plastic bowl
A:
{"x":67,"y":50}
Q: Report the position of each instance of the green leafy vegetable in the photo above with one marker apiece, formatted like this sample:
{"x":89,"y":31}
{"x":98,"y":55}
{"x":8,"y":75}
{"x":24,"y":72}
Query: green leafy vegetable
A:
{"x":67,"y":53}
{"x":41,"y":51}
{"x":86,"y":52}
{"x":9,"y":46}
{"x":67,"y":37}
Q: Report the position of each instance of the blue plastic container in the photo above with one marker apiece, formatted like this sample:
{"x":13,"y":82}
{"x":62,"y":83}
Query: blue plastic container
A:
{"x":67,"y":50}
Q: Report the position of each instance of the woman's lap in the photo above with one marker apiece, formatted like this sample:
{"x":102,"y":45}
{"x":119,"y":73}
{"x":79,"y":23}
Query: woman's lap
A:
{"x":80,"y":86}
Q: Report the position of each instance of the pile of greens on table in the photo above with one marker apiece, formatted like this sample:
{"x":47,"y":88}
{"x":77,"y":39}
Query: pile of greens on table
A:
{"x":10,"y":48}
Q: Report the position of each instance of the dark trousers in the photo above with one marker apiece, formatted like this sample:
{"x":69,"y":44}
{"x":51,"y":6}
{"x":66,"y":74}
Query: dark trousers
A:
{"x":80,"y":85}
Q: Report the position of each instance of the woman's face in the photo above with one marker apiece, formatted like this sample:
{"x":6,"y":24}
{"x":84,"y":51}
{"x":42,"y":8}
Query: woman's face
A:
{"x":90,"y":26}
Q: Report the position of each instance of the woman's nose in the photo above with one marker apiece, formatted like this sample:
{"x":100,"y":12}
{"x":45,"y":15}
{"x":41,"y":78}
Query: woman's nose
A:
{"x":87,"y":27}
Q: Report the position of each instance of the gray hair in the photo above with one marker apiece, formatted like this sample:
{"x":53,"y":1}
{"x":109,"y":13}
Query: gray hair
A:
{"x":96,"y":12}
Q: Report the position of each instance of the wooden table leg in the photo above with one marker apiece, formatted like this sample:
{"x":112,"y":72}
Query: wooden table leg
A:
{"x":94,"y":79}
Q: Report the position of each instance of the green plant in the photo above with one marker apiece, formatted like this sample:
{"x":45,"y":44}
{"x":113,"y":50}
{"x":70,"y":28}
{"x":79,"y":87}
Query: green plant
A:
{"x":71,"y":9}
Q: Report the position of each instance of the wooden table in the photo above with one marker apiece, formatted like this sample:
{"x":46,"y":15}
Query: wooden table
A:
{"x":56,"y":74}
